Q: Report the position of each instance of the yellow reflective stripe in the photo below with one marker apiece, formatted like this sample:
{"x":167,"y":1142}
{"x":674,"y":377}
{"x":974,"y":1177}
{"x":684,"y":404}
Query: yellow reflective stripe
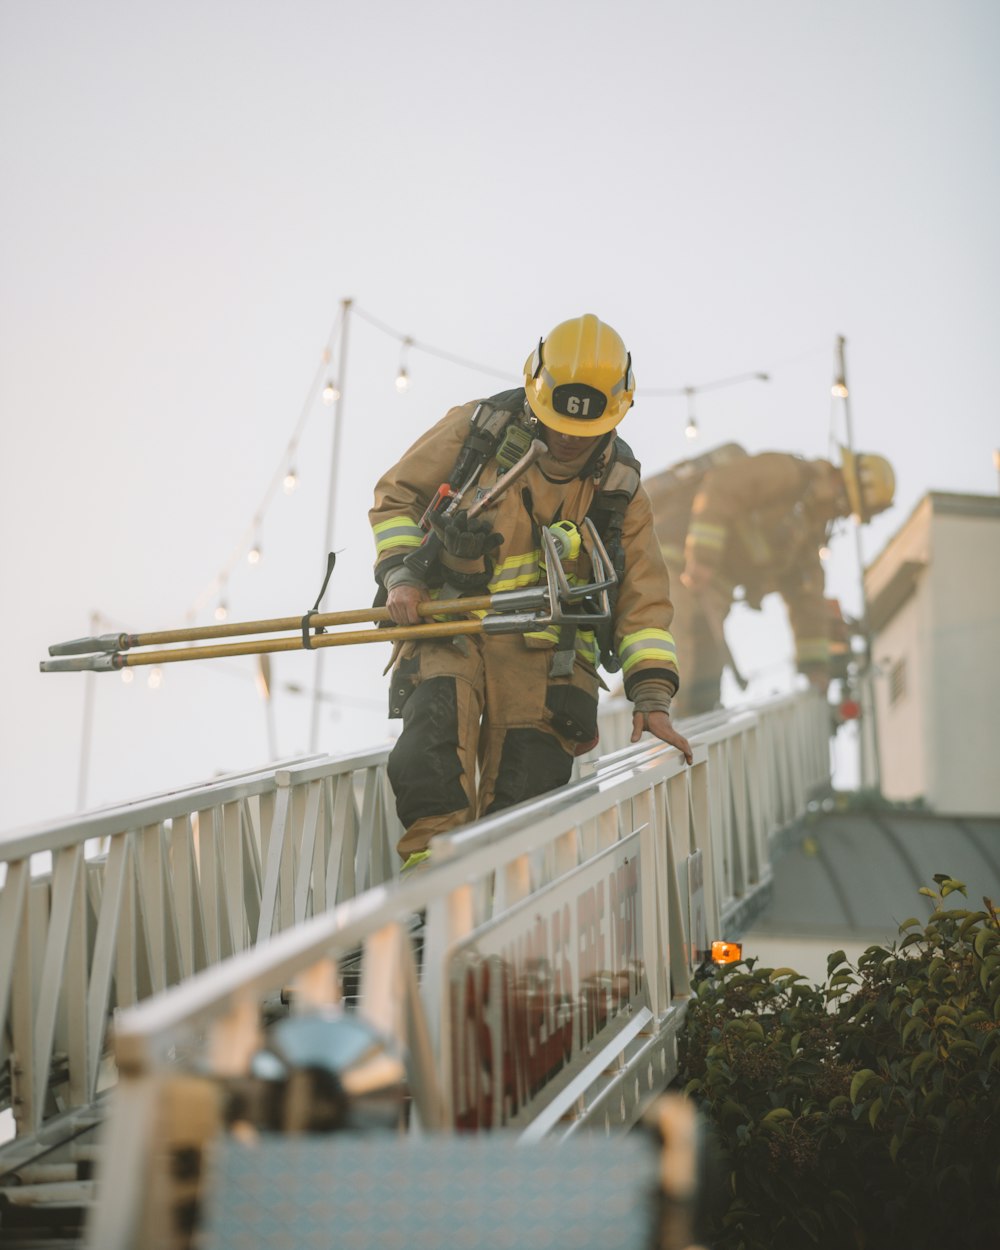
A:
{"x":645,"y":635}
{"x":549,"y":634}
{"x":398,"y":532}
{"x":647,"y":644}
{"x":516,"y":571}
{"x":706,"y":535}
{"x":586,"y":644}
{"x":513,"y":583}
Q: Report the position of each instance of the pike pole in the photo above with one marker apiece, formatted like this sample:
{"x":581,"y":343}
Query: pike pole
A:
{"x":111,"y":652}
{"x":237,"y":629}
{"x":506,"y":612}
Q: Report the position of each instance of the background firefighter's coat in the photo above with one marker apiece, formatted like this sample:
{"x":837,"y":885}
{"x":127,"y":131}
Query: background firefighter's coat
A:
{"x":757,"y":522}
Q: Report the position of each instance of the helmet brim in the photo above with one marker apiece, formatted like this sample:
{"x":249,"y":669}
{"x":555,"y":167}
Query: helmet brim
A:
{"x":573,"y":428}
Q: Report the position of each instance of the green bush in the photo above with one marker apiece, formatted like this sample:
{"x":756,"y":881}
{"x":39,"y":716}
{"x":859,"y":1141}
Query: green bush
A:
{"x":863,"y":1112}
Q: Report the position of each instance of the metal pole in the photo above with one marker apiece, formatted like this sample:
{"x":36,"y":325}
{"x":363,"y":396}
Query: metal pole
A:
{"x":871,"y":767}
{"x":331,"y":502}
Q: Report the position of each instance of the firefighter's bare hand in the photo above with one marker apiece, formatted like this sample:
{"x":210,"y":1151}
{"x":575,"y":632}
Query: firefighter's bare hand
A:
{"x":660,"y":726}
{"x":697,"y":577}
{"x":402,"y":604}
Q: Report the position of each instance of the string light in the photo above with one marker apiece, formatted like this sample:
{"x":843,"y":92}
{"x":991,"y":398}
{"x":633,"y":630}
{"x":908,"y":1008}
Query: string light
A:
{"x":824,"y":553}
{"x":291,"y":481}
{"x":839,"y":389}
{"x":155,"y":678}
{"x":128,"y":677}
{"x":691,"y":429}
{"x":402,"y":377}
{"x":221,"y":611}
{"x":254,"y":554}
{"x":330,"y":392}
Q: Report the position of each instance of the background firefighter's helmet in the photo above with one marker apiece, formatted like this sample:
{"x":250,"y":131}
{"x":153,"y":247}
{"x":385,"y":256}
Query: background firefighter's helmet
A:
{"x":869,"y":482}
{"x":579,"y":378}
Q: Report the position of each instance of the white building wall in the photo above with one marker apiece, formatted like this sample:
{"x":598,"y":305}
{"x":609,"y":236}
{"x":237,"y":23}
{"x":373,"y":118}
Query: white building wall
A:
{"x":964,"y":705}
{"x":939,"y":736}
{"x":903,"y":641}
{"x":904,"y":732}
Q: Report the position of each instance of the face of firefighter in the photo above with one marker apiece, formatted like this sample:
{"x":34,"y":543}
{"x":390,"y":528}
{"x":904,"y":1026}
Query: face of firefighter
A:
{"x":565,"y":447}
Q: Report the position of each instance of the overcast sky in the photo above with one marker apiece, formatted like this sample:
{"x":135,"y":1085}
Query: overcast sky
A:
{"x":190,"y":190}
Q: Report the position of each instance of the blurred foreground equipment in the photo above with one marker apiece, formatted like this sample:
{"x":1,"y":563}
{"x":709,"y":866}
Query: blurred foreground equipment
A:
{"x":309,"y":1151}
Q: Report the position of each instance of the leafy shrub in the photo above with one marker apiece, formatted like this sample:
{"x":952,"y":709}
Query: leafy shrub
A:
{"x":863,"y":1112}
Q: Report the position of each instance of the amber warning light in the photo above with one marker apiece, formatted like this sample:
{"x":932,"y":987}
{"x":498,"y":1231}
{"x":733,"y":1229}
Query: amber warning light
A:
{"x":726,"y":952}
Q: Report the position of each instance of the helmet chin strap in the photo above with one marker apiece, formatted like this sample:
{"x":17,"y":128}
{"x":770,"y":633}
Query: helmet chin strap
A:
{"x":596,"y":454}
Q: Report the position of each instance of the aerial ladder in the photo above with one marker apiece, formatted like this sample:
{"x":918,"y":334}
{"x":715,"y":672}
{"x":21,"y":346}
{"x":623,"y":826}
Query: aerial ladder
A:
{"x":530,"y":985}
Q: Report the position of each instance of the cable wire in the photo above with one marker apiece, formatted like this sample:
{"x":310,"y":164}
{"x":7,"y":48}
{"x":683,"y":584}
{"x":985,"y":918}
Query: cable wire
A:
{"x":658,"y":392}
{"x":429,"y":349}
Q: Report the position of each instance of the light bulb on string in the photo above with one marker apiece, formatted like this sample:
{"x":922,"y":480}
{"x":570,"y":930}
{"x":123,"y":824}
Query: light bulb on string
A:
{"x":402,"y":377}
{"x":330,"y":392}
{"x":824,"y":553}
{"x":155,"y":678}
{"x":691,"y":429}
{"x":291,"y":480}
{"x":256,"y":553}
{"x":128,"y":677}
{"x":839,"y":389}
{"x":221,"y":611}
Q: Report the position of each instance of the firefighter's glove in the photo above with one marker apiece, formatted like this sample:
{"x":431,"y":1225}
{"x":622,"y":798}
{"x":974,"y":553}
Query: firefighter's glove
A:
{"x":464,"y":539}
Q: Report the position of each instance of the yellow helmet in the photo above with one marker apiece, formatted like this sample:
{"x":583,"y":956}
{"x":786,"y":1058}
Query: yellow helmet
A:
{"x":869,"y":482}
{"x":579,"y":379}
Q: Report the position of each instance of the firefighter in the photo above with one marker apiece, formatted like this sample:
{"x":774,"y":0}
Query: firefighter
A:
{"x":515,"y":709}
{"x":757,"y":522}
